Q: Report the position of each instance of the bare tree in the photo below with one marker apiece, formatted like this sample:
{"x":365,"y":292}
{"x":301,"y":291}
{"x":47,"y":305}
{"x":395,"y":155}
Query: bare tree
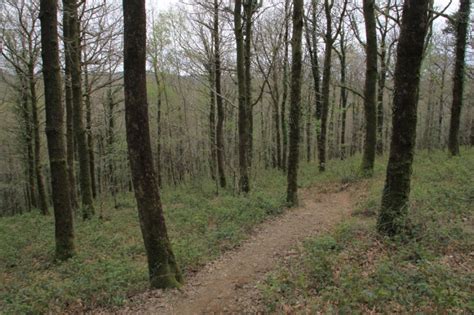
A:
{"x":64,"y":230}
{"x":396,"y":192}
{"x":162,"y":265}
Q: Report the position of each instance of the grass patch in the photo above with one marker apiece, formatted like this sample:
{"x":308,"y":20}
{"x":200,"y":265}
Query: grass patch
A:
{"x":355,"y":270}
{"x":110,"y":264}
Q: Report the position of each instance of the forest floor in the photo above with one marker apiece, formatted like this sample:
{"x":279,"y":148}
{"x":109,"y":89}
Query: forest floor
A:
{"x":230,"y":283}
{"x":250,"y":253}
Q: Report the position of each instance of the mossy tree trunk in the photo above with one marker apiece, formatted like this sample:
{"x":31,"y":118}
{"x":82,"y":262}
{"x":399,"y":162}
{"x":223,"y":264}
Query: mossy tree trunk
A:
{"x":329,"y":40}
{"x":243,"y":124}
{"x":370,"y":90}
{"x":219,"y":99}
{"x":90,"y":136}
{"x":295,"y":99}
{"x":73,"y":53}
{"x":70,"y":143}
{"x":462,"y":24}
{"x":64,"y":229}
{"x":162,"y":265}
{"x":407,"y":79}
{"x":42,"y":196}
{"x":312,"y":44}
{"x":284,"y":125}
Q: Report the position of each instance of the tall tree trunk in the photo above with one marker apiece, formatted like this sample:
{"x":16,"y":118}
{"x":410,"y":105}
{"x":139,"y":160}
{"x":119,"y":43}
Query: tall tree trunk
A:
{"x":212,"y":124}
{"x":441,"y":107}
{"x":276,"y":121}
{"x":370,"y":89}
{"x":73,"y":53}
{"x":249,"y":7}
{"x":28,"y":138}
{"x":90,"y":137}
{"x":284,"y":128}
{"x":70,"y":143}
{"x":407,"y":78}
{"x":295,"y":98}
{"x":158,"y":120}
{"x":325,"y":88}
{"x":462,"y":24}
{"x":162,"y":265}
{"x":308,"y":130}
{"x":381,"y":82}
{"x":343,"y":96}
{"x":244,"y":126}
{"x":42,"y":197}
{"x":64,"y":229}
{"x":219,"y":99}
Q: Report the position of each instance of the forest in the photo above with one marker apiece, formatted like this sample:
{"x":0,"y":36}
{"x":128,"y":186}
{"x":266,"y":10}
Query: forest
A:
{"x":236,"y":156}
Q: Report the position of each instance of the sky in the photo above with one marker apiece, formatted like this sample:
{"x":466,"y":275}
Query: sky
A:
{"x":162,"y":5}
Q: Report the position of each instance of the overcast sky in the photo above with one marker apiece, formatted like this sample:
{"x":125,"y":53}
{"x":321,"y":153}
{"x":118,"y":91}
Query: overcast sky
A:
{"x":165,"y":4}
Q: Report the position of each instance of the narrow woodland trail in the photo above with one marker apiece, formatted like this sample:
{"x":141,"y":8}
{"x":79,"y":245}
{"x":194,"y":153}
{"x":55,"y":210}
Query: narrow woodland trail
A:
{"x":229,"y":283}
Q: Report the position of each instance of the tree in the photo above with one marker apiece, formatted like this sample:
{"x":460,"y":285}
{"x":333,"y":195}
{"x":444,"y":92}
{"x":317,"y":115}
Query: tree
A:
{"x":219,"y":99}
{"x":70,"y":143}
{"x":64,"y":229}
{"x":329,"y":39}
{"x":295,"y":98}
{"x":244,"y":121}
{"x":162,"y":265}
{"x":73,"y":53}
{"x":462,"y":24}
{"x":22,"y":50}
{"x":370,"y":89}
{"x":407,"y":78}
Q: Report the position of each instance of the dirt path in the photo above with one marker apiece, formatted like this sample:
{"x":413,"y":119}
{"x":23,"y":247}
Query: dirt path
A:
{"x":229,"y":283}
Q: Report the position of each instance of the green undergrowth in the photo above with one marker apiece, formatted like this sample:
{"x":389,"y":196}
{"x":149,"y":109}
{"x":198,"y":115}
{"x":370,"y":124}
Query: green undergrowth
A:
{"x":110,"y":264}
{"x":428,"y":269}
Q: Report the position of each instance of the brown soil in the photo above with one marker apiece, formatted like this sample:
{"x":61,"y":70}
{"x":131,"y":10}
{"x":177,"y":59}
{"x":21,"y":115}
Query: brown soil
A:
{"x":230,"y":284}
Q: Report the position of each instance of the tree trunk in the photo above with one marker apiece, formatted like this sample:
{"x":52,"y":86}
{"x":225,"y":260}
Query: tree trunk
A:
{"x":42,"y":196}
{"x":370,"y":89}
{"x":343,"y":97}
{"x":249,"y":7}
{"x":244,"y":126}
{"x":28,"y":137}
{"x":90,"y":137}
{"x":70,"y":143}
{"x":162,"y":265}
{"x":284,"y":128}
{"x":212,"y":124}
{"x":462,"y":25}
{"x":64,"y":229}
{"x":407,"y":78}
{"x":73,"y":53}
{"x":295,"y":97}
{"x":325,"y":88}
{"x":380,"y":97}
{"x":219,"y":100}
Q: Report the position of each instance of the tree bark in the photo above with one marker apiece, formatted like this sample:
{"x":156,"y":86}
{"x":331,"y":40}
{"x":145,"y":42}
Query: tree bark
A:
{"x":295,"y":97}
{"x":325,"y":88}
{"x":162,"y":265}
{"x":244,"y":125}
{"x":64,"y":229}
{"x":42,"y":196}
{"x":28,"y":138}
{"x":70,"y":143}
{"x":212,"y":124}
{"x":90,"y":137}
{"x":73,"y":53}
{"x":407,"y":78}
{"x":462,"y":24}
{"x":219,"y":99}
{"x":284,"y":127}
{"x":370,"y":89}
